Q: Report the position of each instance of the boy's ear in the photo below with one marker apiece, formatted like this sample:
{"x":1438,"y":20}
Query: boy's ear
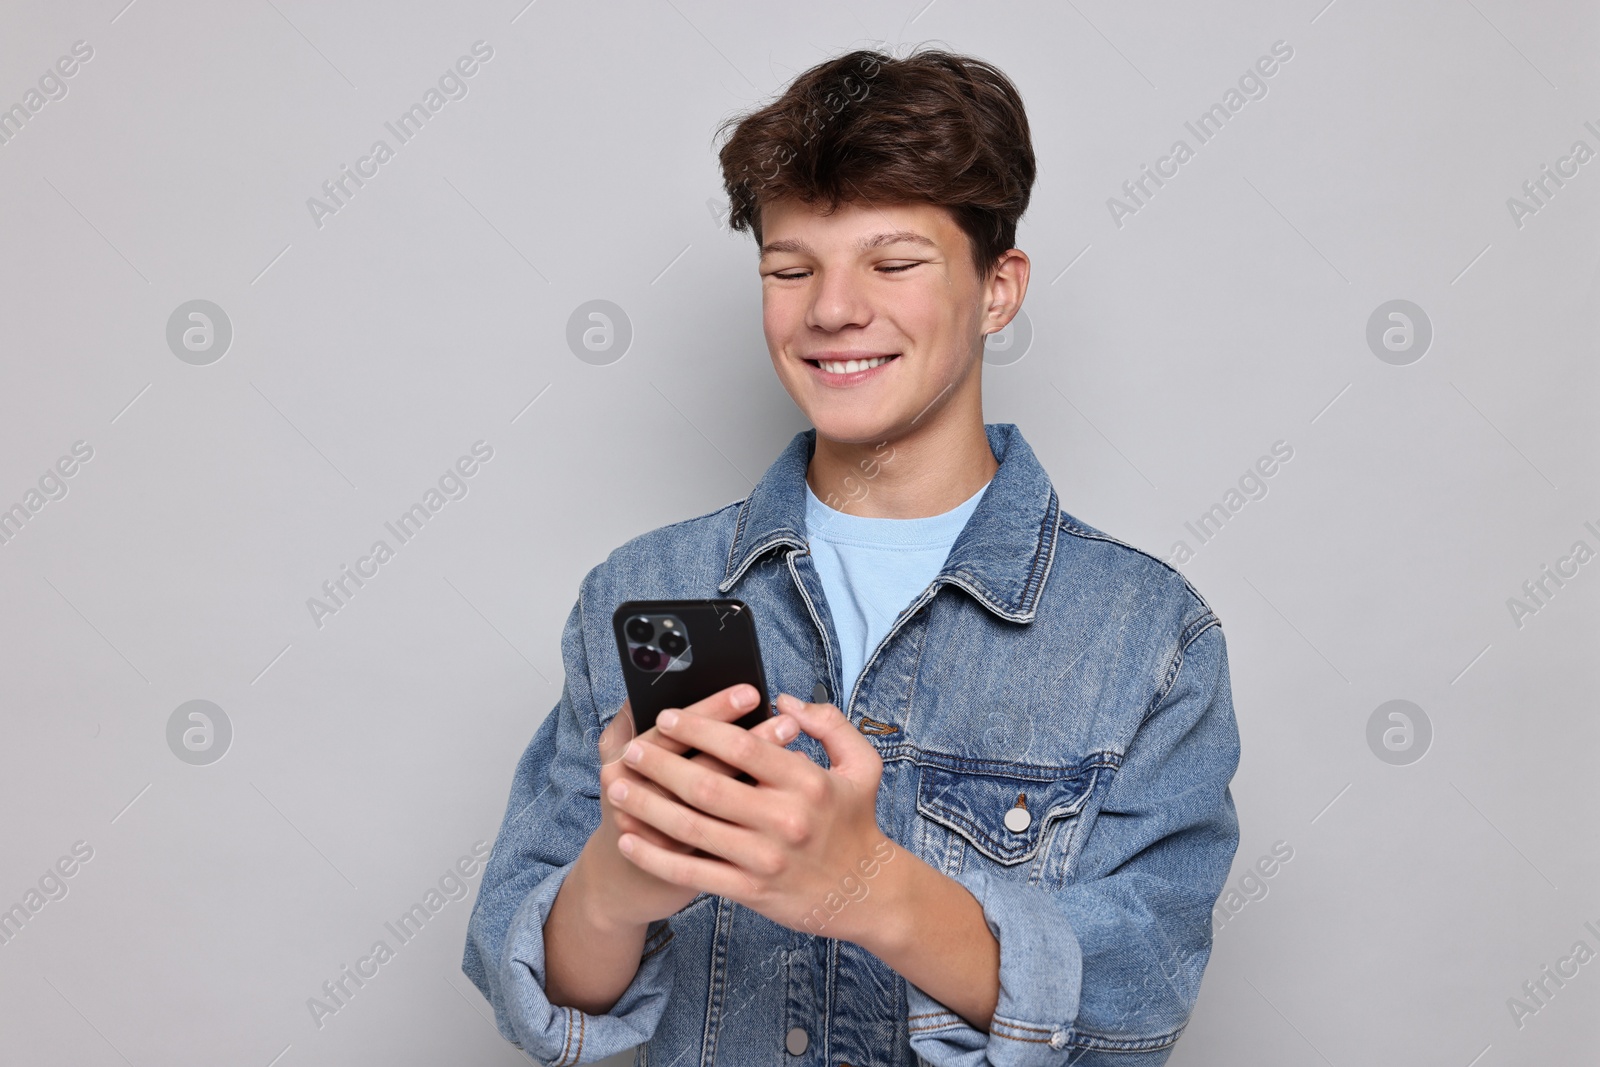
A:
{"x":1006,"y":288}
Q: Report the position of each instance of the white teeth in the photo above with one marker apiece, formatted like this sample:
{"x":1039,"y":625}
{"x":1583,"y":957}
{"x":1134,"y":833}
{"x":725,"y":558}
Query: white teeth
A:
{"x":850,"y":366}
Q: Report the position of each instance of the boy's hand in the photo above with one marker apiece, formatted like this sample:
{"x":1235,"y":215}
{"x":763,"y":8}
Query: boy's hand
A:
{"x":619,"y":893}
{"x":783,"y":847}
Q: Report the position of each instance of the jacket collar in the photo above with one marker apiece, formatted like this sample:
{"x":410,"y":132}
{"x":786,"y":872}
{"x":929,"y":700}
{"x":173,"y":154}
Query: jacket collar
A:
{"x":1001,"y":557}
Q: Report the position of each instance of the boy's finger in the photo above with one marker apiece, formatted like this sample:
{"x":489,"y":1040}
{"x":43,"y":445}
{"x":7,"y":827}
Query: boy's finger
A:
{"x":726,"y":705}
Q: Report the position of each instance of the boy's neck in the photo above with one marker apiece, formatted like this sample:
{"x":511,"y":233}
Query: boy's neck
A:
{"x":926,"y":472}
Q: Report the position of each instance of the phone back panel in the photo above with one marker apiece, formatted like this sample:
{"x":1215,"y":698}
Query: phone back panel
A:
{"x":721,"y":650}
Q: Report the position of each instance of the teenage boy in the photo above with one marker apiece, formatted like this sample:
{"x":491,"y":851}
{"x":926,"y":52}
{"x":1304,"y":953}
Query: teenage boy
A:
{"x":996,"y":830}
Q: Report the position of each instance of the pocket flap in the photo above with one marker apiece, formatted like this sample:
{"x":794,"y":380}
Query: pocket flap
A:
{"x":976,"y":804}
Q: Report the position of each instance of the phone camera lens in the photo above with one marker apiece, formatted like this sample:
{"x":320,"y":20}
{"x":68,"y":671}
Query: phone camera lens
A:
{"x":639,"y":629}
{"x":673,"y":644}
{"x":647,"y":659}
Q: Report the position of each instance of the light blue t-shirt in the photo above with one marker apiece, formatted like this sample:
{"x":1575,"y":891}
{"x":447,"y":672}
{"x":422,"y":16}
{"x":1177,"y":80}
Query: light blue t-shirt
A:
{"x":872,"y":569}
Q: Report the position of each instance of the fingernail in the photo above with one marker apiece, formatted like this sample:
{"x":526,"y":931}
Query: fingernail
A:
{"x":618,"y":791}
{"x":625,"y":843}
{"x":667,"y":719}
{"x":786,"y":730}
{"x":634,"y":753}
{"x":745,"y":697}
{"x":792,"y":701}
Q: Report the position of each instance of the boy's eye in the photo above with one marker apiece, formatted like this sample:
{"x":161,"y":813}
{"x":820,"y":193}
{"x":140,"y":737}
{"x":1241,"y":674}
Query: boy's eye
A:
{"x":791,"y":275}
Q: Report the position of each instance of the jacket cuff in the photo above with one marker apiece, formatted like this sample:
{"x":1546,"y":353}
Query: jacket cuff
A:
{"x":559,"y":1036}
{"x":1041,"y":973}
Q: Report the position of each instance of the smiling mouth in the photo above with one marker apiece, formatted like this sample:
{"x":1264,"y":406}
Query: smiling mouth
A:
{"x":850,"y":366}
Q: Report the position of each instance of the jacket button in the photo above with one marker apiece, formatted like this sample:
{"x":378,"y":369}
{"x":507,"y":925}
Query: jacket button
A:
{"x":1018,"y":820}
{"x":796,"y":1041}
{"x":819,"y":695}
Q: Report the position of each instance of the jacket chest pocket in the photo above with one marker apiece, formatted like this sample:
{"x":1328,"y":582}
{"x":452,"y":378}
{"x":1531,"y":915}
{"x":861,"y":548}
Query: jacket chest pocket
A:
{"x":1008,"y":813}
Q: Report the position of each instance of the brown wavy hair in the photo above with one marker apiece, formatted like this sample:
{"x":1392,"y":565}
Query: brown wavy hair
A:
{"x":932,"y":127}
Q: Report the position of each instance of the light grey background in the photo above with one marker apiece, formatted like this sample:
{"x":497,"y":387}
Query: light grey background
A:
{"x":431,"y":311}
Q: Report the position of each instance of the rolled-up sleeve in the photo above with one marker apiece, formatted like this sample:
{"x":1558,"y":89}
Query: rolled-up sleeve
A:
{"x":553,"y":808}
{"x":1107,"y":969}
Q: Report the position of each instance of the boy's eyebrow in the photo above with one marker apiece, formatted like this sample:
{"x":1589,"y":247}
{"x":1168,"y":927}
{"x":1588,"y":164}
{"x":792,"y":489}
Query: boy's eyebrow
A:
{"x":876,"y":240}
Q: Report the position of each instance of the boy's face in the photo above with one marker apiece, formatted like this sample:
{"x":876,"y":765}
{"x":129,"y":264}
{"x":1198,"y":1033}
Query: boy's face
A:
{"x":872,"y":281}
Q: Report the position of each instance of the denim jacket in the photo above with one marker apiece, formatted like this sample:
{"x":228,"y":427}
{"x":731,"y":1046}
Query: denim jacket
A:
{"x":1047,"y":667}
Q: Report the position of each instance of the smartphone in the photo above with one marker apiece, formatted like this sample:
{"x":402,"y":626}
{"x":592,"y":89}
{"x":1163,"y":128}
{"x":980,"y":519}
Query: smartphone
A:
{"x":676,"y":652}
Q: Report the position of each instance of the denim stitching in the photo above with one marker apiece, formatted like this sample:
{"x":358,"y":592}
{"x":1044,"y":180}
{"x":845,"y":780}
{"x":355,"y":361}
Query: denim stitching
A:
{"x":1033,"y":772}
{"x":738,"y":529}
{"x":1175,"y":665}
{"x":753,"y":554}
{"x":916,"y":668}
{"x":971,"y":831}
{"x":721,"y":934}
{"x":1029,"y":591}
{"x":659,"y":947}
{"x":1089,"y":533}
{"x":1083,"y":1040}
{"x":567,"y":1044}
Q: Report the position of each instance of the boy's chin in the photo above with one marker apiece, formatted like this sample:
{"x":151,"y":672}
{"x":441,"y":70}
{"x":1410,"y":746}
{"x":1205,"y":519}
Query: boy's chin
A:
{"x":853,"y":428}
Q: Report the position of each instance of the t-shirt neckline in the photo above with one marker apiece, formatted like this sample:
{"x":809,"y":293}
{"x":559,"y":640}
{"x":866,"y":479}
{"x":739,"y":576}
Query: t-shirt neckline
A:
{"x":928,"y":531}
